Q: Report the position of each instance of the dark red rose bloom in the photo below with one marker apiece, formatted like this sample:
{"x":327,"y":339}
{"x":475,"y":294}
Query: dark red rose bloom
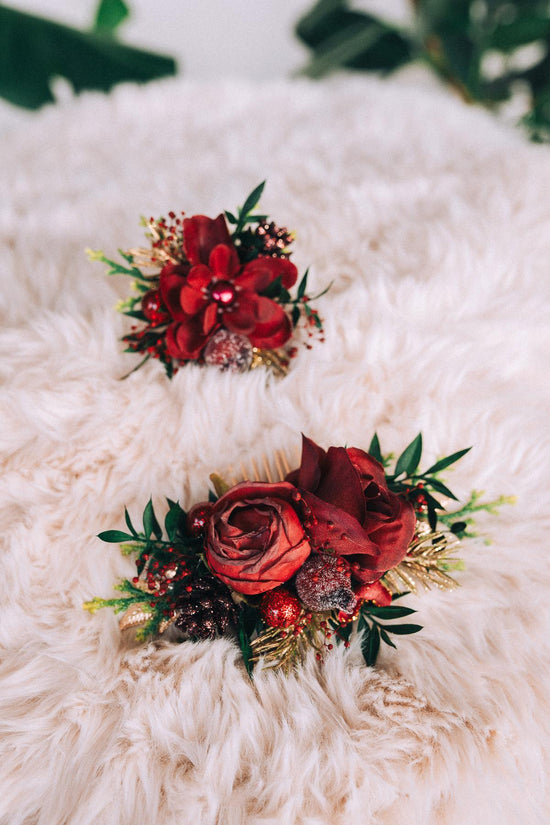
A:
{"x":353,"y":513}
{"x":255,"y":540}
{"x":212,"y":289}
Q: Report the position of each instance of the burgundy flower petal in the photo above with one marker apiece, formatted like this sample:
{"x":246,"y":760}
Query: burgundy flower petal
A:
{"x":172,"y":279}
{"x":185,"y":340}
{"x":224,"y":262}
{"x":308,"y":473}
{"x":273,"y":328}
{"x":250,"y":518}
{"x":201,"y":235}
{"x":340,"y":484}
{"x":395,"y":534}
{"x":210,"y":318}
{"x":256,"y":540}
{"x":199,"y":276}
{"x":333,"y":529}
{"x":241,"y":317}
{"x":251,"y":490}
{"x":362,"y":570}
{"x":368,"y":468}
{"x":259,"y":273}
{"x":353,"y":513}
{"x":192,"y":300}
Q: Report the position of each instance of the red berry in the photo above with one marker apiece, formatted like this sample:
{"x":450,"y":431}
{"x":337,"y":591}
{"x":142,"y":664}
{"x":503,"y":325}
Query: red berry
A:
{"x":279,"y":608}
{"x":153,"y":308}
{"x":197,"y":518}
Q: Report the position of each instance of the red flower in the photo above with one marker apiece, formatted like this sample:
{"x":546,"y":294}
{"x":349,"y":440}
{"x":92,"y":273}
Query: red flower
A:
{"x":212,"y":289}
{"x":353,"y":513}
{"x":375,"y":592}
{"x":255,"y":540}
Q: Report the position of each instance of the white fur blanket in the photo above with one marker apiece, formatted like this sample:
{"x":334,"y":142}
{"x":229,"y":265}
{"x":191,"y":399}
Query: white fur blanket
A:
{"x":433,"y":220}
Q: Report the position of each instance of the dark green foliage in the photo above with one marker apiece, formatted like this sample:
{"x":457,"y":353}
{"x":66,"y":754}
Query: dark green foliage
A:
{"x":150,"y":539}
{"x":370,"y":645}
{"x":301,"y":291}
{"x":150,"y":523}
{"x":110,"y":14}
{"x":374,"y":631}
{"x":455,"y":38}
{"x":390,"y":612}
{"x":410,"y":457}
{"x":244,"y":213}
{"x":342,"y":37}
{"x":249,"y":623}
{"x":34,"y":50}
{"x":374,"y":449}
{"x":174,"y":521}
{"x":407,"y":481}
{"x":114,"y":536}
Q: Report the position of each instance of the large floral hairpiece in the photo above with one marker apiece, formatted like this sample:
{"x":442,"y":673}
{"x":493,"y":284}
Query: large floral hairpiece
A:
{"x":214,"y":296}
{"x":299,"y":563}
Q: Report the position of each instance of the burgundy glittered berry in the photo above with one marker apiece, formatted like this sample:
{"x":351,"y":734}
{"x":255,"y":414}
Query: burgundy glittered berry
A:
{"x":279,"y":608}
{"x":324,"y":583}
{"x":274,"y":239}
{"x":153,"y":308}
{"x":228,"y":351}
{"x":197,"y":518}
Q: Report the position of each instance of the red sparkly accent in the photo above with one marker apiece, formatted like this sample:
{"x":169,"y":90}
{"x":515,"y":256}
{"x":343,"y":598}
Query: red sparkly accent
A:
{"x":324,"y":583}
{"x":197,"y":518}
{"x":279,"y":608}
{"x":229,"y":351}
{"x":153,"y":308}
{"x":223,"y":292}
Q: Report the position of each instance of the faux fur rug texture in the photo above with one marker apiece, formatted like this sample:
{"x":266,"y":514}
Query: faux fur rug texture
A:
{"x":433,"y":222}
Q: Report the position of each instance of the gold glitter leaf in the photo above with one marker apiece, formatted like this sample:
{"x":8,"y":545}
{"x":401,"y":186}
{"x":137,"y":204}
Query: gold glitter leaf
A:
{"x":137,"y":614}
{"x":429,"y":557}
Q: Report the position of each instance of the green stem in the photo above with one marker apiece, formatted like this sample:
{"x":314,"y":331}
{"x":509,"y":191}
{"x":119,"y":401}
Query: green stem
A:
{"x":472,"y":507}
{"x":295,"y":301}
{"x":141,"y":363}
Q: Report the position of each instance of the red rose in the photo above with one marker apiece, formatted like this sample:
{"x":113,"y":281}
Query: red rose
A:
{"x":255,"y":540}
{"x":212,"y":289}
{"x":352,"y":511}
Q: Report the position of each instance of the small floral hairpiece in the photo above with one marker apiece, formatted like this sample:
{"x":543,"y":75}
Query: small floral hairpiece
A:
{"x":215,"y":296}
{"x":299,"y":563}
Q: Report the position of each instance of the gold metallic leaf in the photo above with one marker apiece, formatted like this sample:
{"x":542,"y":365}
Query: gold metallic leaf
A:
{"x":137,"y":614}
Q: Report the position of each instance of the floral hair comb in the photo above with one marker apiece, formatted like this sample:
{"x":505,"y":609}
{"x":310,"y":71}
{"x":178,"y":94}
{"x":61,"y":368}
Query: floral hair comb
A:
{"x":294,"y":560}
{"x":205,"y":294}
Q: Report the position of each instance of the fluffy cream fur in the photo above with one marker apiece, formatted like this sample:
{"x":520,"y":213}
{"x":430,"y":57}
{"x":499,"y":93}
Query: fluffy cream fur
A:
{"x":433,"y":222}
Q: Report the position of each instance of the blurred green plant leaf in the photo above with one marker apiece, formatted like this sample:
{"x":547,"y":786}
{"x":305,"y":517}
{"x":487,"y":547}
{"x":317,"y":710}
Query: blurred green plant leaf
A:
{"x":457,"y":39}
{"x":526,"y":28}
{"x":340,"y":37}
{"x":110,"y":14}
{"x":34,"y":50}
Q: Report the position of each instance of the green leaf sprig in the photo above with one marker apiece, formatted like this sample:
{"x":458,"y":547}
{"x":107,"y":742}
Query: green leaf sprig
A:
{"x":418,"y":487}
{"x":164,"y":560}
